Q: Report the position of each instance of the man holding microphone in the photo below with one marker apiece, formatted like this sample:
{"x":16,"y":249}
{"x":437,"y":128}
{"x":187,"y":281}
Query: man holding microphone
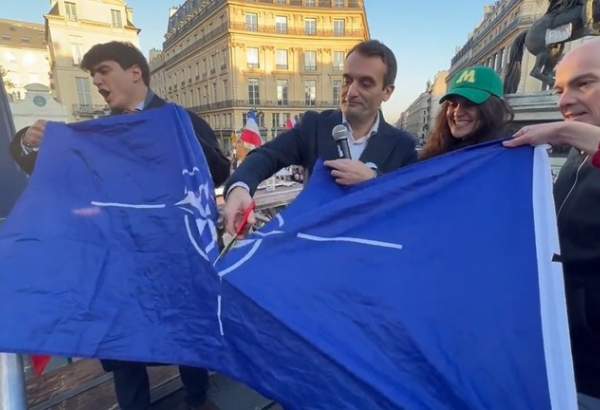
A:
{"x":374,"y":146}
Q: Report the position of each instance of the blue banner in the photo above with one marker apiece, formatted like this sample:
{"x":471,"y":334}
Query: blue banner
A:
{"x":432,"y":287}
{"x":101,"y":255}
{"x":429,"y":288}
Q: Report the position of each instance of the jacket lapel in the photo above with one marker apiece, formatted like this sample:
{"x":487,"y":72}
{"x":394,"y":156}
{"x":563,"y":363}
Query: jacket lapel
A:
{"x":327,"y":148}
{"x":378,"y":148}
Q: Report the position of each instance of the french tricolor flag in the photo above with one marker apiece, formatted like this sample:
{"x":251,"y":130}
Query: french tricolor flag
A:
{"x":251,"y":133}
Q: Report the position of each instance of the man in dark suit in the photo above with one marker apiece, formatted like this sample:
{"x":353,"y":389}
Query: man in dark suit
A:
{"x":122,"y":76}
{"x":376,"y":147}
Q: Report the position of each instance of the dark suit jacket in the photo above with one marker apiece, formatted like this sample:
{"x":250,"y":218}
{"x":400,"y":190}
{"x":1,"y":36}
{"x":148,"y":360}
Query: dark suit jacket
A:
{"x":390,"y":148}
{"x":217,"y":162}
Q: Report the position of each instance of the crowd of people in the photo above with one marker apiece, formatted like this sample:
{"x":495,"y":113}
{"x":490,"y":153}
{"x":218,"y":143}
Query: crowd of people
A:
{"x":472,"y":111}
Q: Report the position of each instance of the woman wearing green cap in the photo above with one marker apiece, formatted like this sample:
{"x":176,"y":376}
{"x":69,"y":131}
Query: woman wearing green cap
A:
{"x":472,"y":111}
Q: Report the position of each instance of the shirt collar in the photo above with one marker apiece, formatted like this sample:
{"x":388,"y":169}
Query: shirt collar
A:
{"x":142,"y":105}
{"x":374,"y":129}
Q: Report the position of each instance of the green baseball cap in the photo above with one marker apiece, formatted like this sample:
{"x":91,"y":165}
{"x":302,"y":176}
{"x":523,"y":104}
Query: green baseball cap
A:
{"x":476,"y":84}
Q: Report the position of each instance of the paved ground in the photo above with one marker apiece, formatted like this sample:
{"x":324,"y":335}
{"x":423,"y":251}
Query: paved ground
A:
{"x":226,"y":394}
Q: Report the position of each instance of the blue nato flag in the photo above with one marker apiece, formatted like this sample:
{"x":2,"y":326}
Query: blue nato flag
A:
{"x":430,"y":287}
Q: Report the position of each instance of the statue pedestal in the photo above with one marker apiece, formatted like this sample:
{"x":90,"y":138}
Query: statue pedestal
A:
{"x":534,"y":108}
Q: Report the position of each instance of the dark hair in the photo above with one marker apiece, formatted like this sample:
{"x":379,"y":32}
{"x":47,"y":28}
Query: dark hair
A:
{"x":494,"y":115}
{"x":374,"y":48}
{"x":123,"y":53}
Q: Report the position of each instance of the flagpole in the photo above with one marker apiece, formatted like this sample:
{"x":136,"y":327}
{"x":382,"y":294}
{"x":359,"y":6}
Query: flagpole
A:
{"x":12,"y":382}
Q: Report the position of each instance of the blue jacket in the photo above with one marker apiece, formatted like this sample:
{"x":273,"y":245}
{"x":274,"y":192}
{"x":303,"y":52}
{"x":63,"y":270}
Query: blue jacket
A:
{"x":389,"y":149}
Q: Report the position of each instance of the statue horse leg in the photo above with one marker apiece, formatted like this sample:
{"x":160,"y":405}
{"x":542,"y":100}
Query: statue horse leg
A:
{"x":539,"y":68}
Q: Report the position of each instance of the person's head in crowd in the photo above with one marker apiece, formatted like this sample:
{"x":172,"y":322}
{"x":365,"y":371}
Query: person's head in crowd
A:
{"x":369,"y":75}
{"x":472,"y":111}
{"x":578,"y":84}
{"x":120,"y":72}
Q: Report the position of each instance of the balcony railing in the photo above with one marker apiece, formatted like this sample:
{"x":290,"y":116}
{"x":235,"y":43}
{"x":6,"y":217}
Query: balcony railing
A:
{"x":477,"y":37}
{"x":261,"y":104}
{"x":476,"y":55}
{"x":297,"y":31}
{"x":197,"y":44}
{"x":187,"y":17}
{"x":179,"y":22}
{"x":90,"y":109}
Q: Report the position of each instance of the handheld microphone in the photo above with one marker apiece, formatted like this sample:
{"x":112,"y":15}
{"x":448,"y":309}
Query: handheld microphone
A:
{"x":340,"y":135}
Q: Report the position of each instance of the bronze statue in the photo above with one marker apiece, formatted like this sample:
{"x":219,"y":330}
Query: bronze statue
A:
{"x":565,"y":20}
{"x":513,"y":68}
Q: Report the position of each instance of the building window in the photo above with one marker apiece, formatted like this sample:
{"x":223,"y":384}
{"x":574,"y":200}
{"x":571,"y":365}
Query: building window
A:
{"x":260,"y":117}
{"x":83,"y":92}
{"x":116,"y":18}
{"x":282,"y":92}
{"x":310,"y":93}
{"x":281,"y":26}
{"x":339,"y":27}
{"x":310,"y":27}
{"x":253,"y":92}
{"x":76,"y":51}
{"x":280,"y":1}
{"x":276,"y":120}
{"x":251,"y":22}
{"x":71,"y":10}
{"x":337,"y":91}
{"x":310,"y":61}
{"x":213,"y":58}
{"x":281,"y":59}
{"x":310,"y":3}
{"x":225,"y":90}
{"x":252,"y":57}
{"x":338,"y":3}
{"x":216,"y":99}
{"x":225,"y":54}
{"x":500,"y":61}
{"x":338,"y":60}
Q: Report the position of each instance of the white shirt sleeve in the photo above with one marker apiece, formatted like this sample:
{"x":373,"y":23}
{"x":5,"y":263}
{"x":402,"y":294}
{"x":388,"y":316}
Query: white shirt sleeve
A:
{"x":235,"y":185}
